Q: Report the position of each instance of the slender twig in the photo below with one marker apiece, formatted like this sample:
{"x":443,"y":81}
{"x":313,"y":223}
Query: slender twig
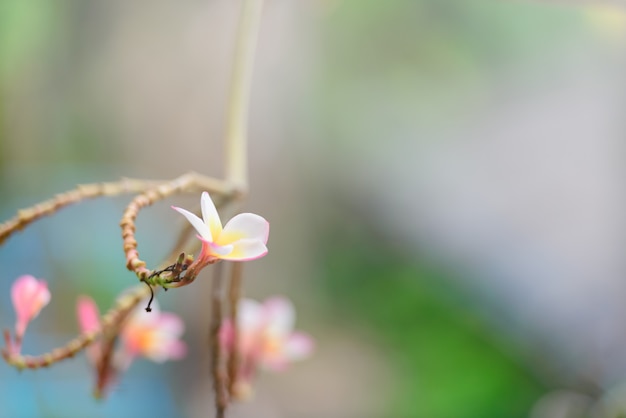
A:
{"x":234,"y":360}
{"x":219,"y":377}
{"x":29,"y":215}
{"x":191,"y":182}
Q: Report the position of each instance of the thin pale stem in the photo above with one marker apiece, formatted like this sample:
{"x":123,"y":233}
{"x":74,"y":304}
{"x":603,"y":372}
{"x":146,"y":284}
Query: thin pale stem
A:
{"x":239,"y":97}
{"x":217,"y":369}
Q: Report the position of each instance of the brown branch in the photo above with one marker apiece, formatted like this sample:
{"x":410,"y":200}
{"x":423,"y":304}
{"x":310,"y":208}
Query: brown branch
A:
{"x":234,"y":360}
{"x":219,"y":377}
{"x":29,"y":215}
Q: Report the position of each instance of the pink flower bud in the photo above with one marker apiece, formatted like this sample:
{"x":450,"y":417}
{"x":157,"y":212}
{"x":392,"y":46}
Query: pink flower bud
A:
{"x":29,"y":296}
{"x":89,"y":321}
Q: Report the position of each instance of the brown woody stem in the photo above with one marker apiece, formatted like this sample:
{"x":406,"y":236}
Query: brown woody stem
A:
{"x":234,"y":294}
{"x":29,"y":215}
{"x":217,"y":369}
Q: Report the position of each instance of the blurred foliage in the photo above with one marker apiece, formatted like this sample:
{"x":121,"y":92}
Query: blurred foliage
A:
{"x":24,"y":29}
{"x":397,"y":69}
{"x":45,"y":55}
{"x":443,"y":38}
{"x":425,"y":64}
{"x":448,"y":362}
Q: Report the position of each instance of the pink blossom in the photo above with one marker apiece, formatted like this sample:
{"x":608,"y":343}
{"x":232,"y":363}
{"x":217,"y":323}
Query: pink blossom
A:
{"x":154,"y":335}
{"x":243,"y":238}
{"x":266,"y":339}
{"x":29,"y":296}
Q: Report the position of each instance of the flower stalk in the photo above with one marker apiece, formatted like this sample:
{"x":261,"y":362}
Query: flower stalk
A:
{"x":217,"y":358}
{"x":234,"y":295}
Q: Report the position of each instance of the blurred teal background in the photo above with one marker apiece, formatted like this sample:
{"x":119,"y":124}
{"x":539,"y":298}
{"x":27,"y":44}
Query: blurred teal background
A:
{"x":443,"y":179}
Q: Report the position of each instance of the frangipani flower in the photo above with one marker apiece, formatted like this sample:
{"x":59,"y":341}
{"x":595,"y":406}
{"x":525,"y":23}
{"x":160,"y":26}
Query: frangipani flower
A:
{"x":242,"y":238}
{"x":29,"y":296}
{"x":266,"y":339}
{"x":154,"y":335}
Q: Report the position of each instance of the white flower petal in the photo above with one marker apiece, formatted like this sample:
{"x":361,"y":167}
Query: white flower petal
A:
{"x":245,"y":226}
{"x":220,"y":251}
{"x":250,"y":316}
{"x":298,"y":346}
{"x":280,"y":316}
{"x":210,"y":215}
{"x":175,"y":350}
{"x":197,"y":223}
{"x":170,"y":325}
{"x":245,"y":250}
{"x":154,"y":335}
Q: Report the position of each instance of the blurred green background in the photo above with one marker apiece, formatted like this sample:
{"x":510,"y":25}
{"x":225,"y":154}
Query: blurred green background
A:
{"x":442,"y":178}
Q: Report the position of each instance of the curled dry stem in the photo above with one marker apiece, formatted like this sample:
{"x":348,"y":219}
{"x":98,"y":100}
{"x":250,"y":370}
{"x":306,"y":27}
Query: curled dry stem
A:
{"x":151,"y":191}
{"x":191,"y":182}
